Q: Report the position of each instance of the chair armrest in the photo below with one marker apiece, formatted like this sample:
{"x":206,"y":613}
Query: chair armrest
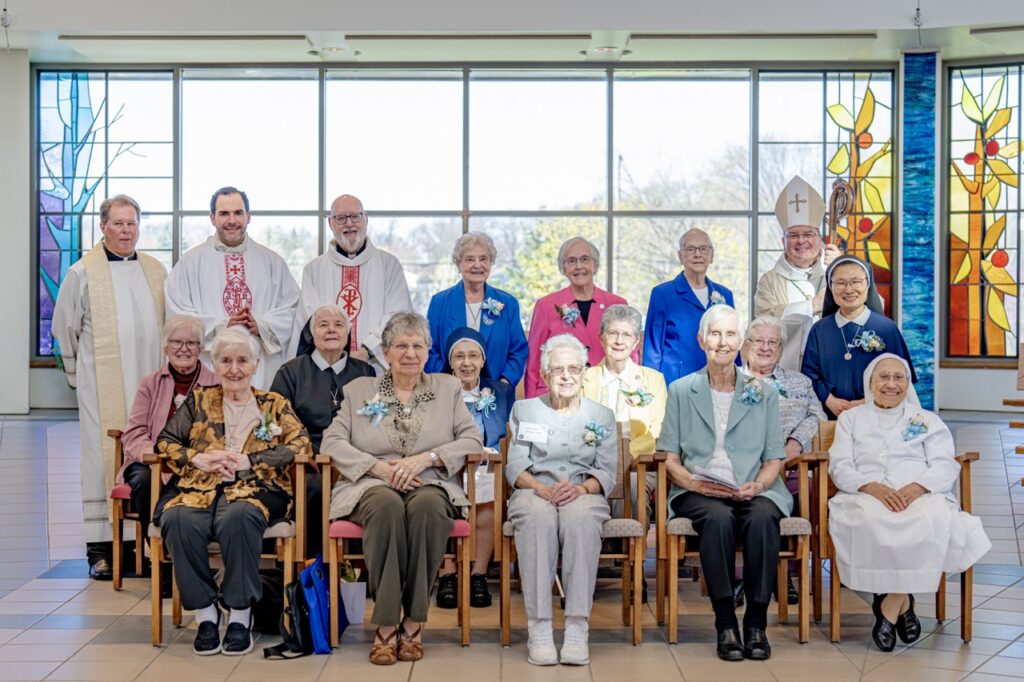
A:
{"x":477,"y":458}
{"x":968,"y":457}
{"x":115,"y":433}
{"x":495,"y":458}
{"x":150,"y":458}
{"x":322,"y":459}
{"x":303,"y":459}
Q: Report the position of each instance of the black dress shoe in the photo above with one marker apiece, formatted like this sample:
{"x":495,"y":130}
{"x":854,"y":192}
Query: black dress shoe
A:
{"x":729,"y":646}
{"x":479,"y":594}
{"x":792,"y":596}
{"x":755,"y":645}
{"x":448,"y":591}
{"x":737,"y":595}
{"x":883,"y":633}
{"x":101,"y":570}
{"x":908,"y":627}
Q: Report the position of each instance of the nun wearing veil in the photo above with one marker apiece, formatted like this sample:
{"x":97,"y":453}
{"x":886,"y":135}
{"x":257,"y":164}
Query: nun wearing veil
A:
{"x":851,"y":333}
{"x":895,"y":522}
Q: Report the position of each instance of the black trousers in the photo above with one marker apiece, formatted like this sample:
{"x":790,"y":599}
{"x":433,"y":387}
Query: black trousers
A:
{"x":138,"y":476}
{"x":720,"y":524}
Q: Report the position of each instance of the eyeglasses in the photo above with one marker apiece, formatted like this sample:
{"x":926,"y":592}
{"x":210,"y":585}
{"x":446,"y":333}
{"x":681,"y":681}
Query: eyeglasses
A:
{"x":350,"y":218}
{"x":797,"y":236}
{"x":471,"y":356}
{"x":178,"y":345}
{"x":693,"y":250}
{"x":582,"y":260}
{"x":848,"y":283}
{"x":896,"y":377}
{"x":571,"y":370}
{"x":624,"y":336}
{"x":767,"y":343}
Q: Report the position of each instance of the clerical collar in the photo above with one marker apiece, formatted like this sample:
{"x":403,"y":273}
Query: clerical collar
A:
{"x":860,"y":320}
{"x":321,"y":362}
{"x":224,"y":248}
{"x":787,"y":269}
{"x":346,"y":254}
{"x":114,"y":258}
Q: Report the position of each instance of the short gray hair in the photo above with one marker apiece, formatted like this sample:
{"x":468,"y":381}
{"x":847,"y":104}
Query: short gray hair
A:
{"x":716,"y":313}
{"x":621,"y":312}
{"x":329,"y":308}
{"x":766,"y":321}
{"x":562,"y":341}
{"x":184,"y":321}
{"x":235,"y":337}
{"x":118,"y":200}
{"x":402,"y":324}
{"x":682,"y":237}
{"x":594,"y":253}
{"x":468,"y":241}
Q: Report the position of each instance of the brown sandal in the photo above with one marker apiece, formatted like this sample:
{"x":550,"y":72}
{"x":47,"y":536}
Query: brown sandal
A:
{"x":408,"y":648}
{"x":383,"y":650}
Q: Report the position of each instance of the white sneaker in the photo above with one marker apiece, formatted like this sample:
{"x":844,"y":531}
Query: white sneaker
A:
{"x":541,"y":642}
{"x":575,"y":648}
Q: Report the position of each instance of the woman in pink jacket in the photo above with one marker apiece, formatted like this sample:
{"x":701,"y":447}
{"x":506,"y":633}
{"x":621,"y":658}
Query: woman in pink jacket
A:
{"x":159,"y":395}
{"x":576,"y":309}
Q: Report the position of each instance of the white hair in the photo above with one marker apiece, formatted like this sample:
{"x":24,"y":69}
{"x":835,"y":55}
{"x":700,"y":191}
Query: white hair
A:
{"x":468,"y":241}
{"x":594,"y":253}
{"x":405,"y":324}
{"x":184,"y":322}
{"x":766,"y":321}
{"x":232,"y":338}
{"x":716,"y":313}
{"x":329,"y":309}
{"x":562,"y":341}
{"x":622,"y":313}
{"x":682,"y":238}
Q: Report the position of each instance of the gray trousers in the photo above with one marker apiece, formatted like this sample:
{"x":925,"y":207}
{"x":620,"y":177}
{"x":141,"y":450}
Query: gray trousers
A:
{"x":540,"y":530}
{"x":404,"y":539}
{"x":238,"y":528}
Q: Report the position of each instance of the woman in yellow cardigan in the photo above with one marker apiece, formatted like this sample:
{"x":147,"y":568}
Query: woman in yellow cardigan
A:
{"x":636,"y":394}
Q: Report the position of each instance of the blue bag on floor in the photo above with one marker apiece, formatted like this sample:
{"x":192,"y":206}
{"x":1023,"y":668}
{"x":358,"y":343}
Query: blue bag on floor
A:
{"x":315,"y":588}
{"x":305,"y":624}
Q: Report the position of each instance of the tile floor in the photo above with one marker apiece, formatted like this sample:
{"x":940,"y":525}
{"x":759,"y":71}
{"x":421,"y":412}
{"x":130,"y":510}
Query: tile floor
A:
{"x":56,"y":624}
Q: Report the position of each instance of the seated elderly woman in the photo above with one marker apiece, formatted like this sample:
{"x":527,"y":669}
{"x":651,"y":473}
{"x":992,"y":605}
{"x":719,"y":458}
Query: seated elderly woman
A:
{"x":230,"y":448}
{"x":722,"y":434}
{"x":562,"y":461}
{"x":312,"y":383}
{"x":895,"y":522}
{"x":400,"y":442}
{"x":799,"y":409}
{"x":158,"y":398}
{"x":489,"y":403}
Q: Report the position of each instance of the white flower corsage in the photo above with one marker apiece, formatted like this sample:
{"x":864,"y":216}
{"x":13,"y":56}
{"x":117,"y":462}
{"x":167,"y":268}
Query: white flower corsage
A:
{"x":493,"y":308}
{"x":375,"y":409}
{"x":753,"y":391}
{"x":267,"y":428}
{"x":594,"y":434}
{"x":641,"y":397}
{"x":868,"y":341}
{"x":716,"y":298}
{"x":485,"y":402}
{"x":918,"y":426}
{"x":568,"y":313}
{"x":777,"y":385}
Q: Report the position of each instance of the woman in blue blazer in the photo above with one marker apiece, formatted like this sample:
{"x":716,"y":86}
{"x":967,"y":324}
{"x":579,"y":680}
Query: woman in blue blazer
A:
{"x":475,"y":304}
{"x":489,"y":403}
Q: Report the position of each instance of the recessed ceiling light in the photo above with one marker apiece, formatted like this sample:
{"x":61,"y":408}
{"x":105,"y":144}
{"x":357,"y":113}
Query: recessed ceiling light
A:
{"x":333,"y":49}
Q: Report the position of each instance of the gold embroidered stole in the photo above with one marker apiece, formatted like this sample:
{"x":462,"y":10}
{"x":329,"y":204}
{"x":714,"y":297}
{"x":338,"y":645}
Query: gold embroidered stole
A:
{"x":107,"y":345}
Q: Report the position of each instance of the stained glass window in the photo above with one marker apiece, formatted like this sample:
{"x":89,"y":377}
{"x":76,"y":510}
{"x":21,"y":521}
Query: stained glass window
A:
{"x":983,"y":211}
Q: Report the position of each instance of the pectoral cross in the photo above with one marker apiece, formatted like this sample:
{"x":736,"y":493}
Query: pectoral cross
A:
{"x":797,"y":200}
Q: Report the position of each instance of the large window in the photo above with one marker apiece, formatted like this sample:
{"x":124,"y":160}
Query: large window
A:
{"x":629,"y":158}
{"x":983,"y":211}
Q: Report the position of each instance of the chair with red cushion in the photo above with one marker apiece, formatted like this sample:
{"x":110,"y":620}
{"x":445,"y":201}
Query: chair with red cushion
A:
{"x":120,"y":496}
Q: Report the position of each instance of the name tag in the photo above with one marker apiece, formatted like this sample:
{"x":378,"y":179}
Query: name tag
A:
{"x":532,"y":433}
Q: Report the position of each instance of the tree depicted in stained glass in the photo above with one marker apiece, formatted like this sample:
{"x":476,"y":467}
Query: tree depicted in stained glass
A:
{"x":984,"y":213}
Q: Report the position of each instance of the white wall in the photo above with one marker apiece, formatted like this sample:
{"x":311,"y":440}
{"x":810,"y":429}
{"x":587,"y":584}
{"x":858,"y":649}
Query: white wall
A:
{"x":976,"y":389}
{"x":16,"y":257}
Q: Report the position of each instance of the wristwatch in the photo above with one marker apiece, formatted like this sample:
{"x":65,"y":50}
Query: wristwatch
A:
{"x":434,"y":459}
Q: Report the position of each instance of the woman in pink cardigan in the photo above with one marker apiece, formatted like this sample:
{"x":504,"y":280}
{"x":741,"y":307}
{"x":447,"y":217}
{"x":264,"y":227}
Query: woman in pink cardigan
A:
{"x":159,"y":395}
{"x":576,"y":309}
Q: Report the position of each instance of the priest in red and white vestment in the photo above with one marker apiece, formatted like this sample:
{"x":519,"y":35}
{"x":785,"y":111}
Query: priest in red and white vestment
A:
{"x":231,"y":280}
{"x":369,"y":284}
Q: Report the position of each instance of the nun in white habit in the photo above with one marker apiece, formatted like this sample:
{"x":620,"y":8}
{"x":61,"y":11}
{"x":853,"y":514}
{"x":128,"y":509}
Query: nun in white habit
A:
{"x":896,"y":523}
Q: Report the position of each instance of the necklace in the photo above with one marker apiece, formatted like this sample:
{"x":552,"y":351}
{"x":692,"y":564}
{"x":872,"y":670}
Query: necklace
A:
{"x":475,"y":315}
{"x":842,"y":330}
{"x":335,"y":403}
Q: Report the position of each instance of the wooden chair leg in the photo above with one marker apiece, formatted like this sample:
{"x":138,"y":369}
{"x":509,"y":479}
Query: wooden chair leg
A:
{"x":156,"y":603}
{"x":506,"y":591}
{"x":289,"y":560}
{"x":661,"y":571}
{"x":803,"y":574}
{"x":118,"y":555}
{"x":940,"y":600}
{"x":781,"y":590}
{"x":627,"y":581}
{"x":640,"y":546}
{"x":835,"y":586}
{"x":674,"y":553}
{"x":334,"y":576}
{"x":175,"y":600}
{"x":140,"y":548}
{"x":462,"y":549}
{"x":816,"y":581}
{"x":967,"y":605}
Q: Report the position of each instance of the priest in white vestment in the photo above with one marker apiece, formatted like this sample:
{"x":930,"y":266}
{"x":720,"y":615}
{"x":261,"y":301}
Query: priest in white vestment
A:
{"x":231,"y":280}
{"x":368,"y":284}
{"x":106,"y":325}
{"x":794,"y":289}
{"x":896,"y":523}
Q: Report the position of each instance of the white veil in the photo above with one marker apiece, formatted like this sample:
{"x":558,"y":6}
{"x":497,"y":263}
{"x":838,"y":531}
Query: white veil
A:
{"x":911,"y":398}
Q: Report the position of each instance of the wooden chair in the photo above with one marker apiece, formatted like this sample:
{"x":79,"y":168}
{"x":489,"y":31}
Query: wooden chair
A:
{"x":826,"y":489}
{"x":796,"y":533}
{"x":630,"y":532}
{"x":288,"y":535}
{"x":340,"y":532}
{"x":120,"y":496}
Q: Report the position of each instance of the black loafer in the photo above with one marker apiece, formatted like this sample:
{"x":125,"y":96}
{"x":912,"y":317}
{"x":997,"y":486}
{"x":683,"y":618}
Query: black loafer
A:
{"x":756,"y":646}
{"x":101,"y":570}
{"x":908,"y":627}
{"x":479,"y":594}
{"x":792,"y":596}
{"x":883,"y":633}
{"x":448,"y":591}
{"x":207,"y":641}
{"x":238,"y":639}
{"x":729,"y":646}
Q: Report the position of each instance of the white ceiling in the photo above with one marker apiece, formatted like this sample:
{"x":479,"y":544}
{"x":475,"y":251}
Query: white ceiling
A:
{"x":194,"y":31}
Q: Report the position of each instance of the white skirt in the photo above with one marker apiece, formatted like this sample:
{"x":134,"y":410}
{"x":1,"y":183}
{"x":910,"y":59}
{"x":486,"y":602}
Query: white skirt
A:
{"x":880,"y":551}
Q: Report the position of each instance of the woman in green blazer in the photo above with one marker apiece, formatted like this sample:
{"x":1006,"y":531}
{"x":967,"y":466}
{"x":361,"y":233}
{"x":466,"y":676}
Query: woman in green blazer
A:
{"x":722,"y":433}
